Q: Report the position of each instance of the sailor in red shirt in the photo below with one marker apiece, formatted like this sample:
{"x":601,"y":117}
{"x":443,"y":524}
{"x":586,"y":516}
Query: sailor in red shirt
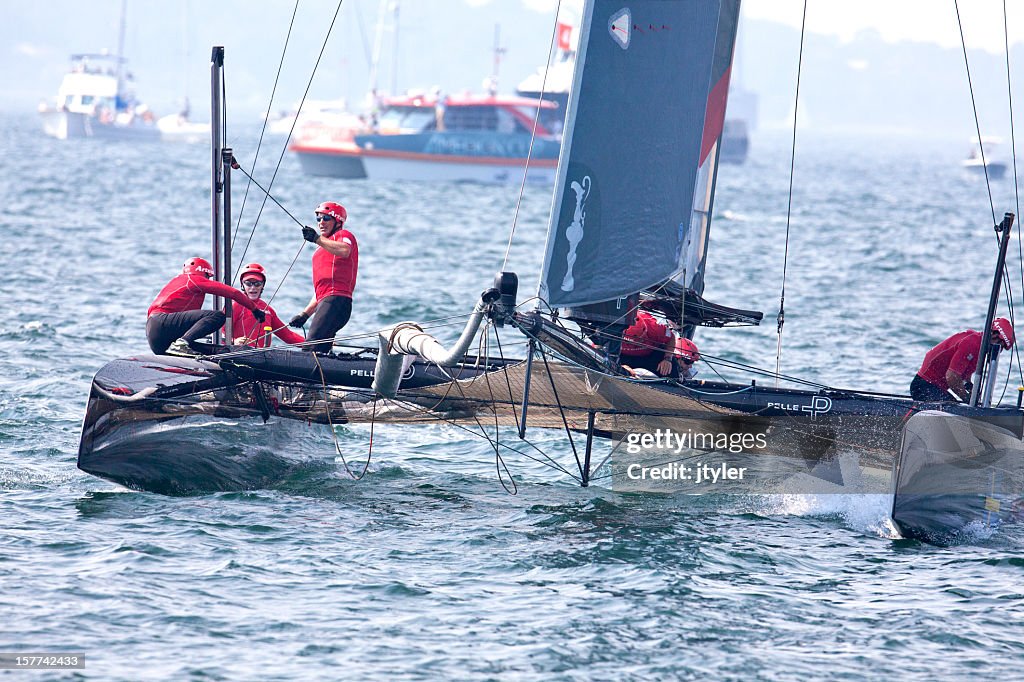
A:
{"x":335,"y":264}
{"x":176,"y":313}
{"x":247,"y":330}
{"x":950,"y":364}
{"x":649,"y":345}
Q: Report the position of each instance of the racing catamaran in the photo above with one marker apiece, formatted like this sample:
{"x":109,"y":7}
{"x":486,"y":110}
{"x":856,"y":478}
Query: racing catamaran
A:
{"x":627,"y":231}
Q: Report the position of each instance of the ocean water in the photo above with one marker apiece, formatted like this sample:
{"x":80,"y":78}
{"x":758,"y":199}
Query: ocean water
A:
{"x":428,"y":568}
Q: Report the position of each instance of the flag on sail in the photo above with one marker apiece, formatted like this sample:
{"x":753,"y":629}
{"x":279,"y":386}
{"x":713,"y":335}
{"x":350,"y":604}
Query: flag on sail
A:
{"x":624,"y":194}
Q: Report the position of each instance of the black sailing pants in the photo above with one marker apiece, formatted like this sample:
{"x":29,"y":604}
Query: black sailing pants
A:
{"x":163,"y":329}
{"x":927,"y":392}
{"x":332,"y":313}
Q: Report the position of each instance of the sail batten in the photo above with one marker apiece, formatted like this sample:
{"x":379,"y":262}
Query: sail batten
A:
{"x":643,"y":116}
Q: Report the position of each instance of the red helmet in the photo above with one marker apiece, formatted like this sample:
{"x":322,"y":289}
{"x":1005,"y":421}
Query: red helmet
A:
{"x":336,"y":211}
{"x":253,"y":269}
{"x":686,"y":348}
{"x":1002,"y":326}
{"x":198,"y":266}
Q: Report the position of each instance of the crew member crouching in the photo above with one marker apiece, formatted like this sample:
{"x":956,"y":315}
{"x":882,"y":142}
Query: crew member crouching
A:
{"x":177,"y":313}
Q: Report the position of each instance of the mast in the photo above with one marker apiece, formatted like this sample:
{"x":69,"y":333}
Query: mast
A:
{"x":1003,"y":229}
{"x":378,"y":41}
{"x":118,"y":102}
{"x":492,"y":86}
{"x":394,"y":51}
{"x":219,"y":218}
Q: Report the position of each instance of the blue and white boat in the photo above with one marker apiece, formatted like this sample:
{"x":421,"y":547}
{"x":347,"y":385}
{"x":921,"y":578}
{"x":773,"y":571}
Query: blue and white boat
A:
{"x":472,"y":138}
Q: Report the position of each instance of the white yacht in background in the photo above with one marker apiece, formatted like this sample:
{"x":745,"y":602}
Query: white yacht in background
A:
{"x":993,"y":160}
{"x":96,"y":98}
{"x":178,"y":128}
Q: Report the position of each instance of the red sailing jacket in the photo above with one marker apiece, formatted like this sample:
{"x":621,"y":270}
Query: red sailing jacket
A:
{"x":244,"y":324}
{"x":334,"y":275}
{"x":958,"y":353}
{"x":646,"y":336}
{"x":187,"y":292}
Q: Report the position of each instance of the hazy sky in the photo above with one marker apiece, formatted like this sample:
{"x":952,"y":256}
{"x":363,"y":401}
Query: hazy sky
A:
{"x":932,"y":21}
{"x":448,"y":43}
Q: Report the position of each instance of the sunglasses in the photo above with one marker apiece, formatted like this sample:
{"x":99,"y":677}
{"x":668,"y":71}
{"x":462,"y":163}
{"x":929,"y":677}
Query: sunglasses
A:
{"x":685,"y":361}
{"x":322,"y":217}
{"x":252,"y":283}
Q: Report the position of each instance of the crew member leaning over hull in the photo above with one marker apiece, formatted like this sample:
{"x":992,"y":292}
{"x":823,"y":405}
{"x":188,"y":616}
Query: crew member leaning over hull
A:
{"x":949,"y":365}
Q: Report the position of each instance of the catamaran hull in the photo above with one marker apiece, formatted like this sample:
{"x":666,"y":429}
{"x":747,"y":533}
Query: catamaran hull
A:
{"x":177,"y":425}
{"x":958,"y":478}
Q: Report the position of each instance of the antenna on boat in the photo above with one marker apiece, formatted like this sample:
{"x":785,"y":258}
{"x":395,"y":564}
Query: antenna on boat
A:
{"x":979,"y":399}
{"x":221,"y":159}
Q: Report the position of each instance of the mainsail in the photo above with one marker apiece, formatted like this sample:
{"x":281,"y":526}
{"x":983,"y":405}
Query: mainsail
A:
{"x":632,"y":157}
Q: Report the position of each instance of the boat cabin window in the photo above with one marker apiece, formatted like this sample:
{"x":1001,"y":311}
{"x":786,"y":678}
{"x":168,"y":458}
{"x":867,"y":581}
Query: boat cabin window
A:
{"x":482,"y":118}
{"x":405,"y":119}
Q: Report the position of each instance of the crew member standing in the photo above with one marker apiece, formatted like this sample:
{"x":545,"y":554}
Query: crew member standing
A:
{"x":177,"y":311}
{"x":249,"y":331}
{"x":335,"y":264}
{"x":949,"y":365}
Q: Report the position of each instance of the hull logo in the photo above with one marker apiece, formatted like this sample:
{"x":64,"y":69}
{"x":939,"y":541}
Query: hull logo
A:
{"x":819,"y":405}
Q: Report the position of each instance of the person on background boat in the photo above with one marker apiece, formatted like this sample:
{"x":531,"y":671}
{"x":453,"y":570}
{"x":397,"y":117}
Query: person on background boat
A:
{"x":686,"y":354}
{"x":177,"y":313}
{"x":335,"y":265}
{"x":949,"y":365}
{"x":648,"y":344}
{"x":247,"y":330}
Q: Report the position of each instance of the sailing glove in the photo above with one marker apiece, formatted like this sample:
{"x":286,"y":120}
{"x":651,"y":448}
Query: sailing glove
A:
{"x":299,"y":320}
{"x":309,"y":234}
{"x":259,"y":315}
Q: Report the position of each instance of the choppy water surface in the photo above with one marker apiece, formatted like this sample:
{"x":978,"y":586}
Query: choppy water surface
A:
{"x":427,"y":568}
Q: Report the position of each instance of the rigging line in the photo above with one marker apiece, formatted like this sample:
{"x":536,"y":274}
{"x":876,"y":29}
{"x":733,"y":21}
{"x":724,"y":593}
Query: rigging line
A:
{"x":549,"y":463}
{"x":561,"y":410}
{"x":266,"y":191}
{"x":334,"y":435}
{"x":508,"y":382}
{"x":291,"y":265}
{"x":533,"y":137}
{"x":266,"y":120}
{"x":1016,"y":186}
{"x":284,"y":147}
{"x":495,"y":443}
{"x":789,"y":207}
{"x":974,"y":108}
{"x":499,"y":463}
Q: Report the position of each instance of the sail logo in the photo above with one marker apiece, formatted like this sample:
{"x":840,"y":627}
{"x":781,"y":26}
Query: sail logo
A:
{"x":574,"y":232}
{"x":619,"y":27}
